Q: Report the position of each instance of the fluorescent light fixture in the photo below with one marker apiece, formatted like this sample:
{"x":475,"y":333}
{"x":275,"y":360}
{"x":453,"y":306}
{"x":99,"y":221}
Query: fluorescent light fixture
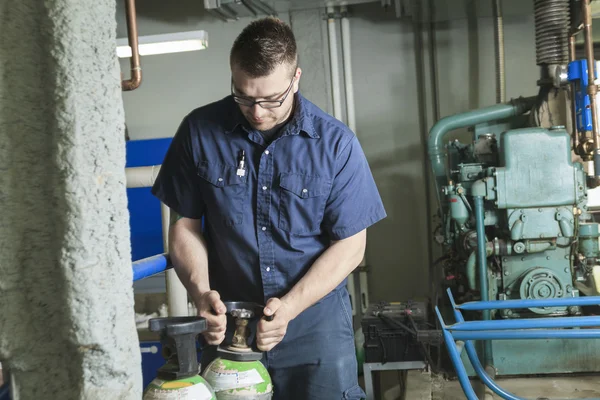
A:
{"x":165,"y":43}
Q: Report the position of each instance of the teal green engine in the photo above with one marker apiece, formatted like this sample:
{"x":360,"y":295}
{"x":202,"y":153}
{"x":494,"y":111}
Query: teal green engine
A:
{"x":517,"y":186}
{"x":535,"y":209}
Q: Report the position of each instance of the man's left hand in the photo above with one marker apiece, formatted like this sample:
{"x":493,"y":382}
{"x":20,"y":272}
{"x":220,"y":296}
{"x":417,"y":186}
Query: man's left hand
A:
{"x":270,"y":333}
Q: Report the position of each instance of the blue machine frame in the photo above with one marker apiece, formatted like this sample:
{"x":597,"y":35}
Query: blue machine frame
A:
{"x":532,"y":328}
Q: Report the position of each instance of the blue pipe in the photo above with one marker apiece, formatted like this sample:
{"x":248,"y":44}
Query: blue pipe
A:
{"x":449,"y":338}
{"x":529,"y":334}
{"x":530,"y":303}
{"x":526,"y":323}
{"x":463,"y":378}
{"x":151,"y":266}
{"x":489,"y":382}
{"x":483,"y":274}
{"x":479,"y":370}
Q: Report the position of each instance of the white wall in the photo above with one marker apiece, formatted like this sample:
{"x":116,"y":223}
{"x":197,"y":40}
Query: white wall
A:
{"x":175,"y":84}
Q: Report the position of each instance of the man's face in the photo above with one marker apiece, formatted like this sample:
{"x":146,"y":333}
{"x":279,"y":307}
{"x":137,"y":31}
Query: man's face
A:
{"x":271,"y":87}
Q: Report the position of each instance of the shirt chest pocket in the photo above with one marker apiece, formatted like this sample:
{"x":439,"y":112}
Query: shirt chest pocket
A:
{"x":224,"y":193}
{"x":302,"y":201}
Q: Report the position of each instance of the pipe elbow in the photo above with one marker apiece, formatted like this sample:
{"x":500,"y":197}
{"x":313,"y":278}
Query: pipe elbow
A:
{"x":134,"y":82}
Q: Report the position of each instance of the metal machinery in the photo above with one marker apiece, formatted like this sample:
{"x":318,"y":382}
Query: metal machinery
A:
{"x":515,"y":205}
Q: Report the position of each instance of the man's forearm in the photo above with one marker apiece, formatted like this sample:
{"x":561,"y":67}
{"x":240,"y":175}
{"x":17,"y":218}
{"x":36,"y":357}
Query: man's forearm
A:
{"x":187,"y":249}
{"x":335,"y":264}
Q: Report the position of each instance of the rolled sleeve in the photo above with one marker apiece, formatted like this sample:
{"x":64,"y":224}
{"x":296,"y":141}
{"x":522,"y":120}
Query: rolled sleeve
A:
{"x":354,"y":203}
{"x":177,"y":182}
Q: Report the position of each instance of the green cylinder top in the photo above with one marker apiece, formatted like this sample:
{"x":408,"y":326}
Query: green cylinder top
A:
{"x":589,"y":230}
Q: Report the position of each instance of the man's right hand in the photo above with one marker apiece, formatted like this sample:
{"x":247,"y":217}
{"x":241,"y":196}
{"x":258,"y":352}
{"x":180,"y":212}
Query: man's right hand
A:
{"x":212,"y":308}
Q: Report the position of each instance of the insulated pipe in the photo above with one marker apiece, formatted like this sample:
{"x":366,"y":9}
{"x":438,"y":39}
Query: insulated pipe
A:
{"x":177,"y":298}
{"x":551,"y":32}
{"x":140,"y":177}
{"x":150,"y":266}
{"x":499,"y":47}
{"x":134,"y":61}
{"x":592,"y":89}
{"x":333,"y":60}
{"x":437,"y":154}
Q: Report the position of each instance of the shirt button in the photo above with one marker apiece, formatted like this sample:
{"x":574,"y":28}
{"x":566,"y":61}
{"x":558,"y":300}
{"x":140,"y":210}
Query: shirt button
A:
{"x":268,"y":269}
{"x":264,"y":228}
{"x":304,"y":190}
{"x":264,"y":188}
{"x":220,"y":179}
{"x":267,"y":152}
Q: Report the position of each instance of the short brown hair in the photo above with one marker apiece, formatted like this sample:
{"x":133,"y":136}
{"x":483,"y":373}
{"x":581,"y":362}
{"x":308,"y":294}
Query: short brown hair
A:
{"x":262,"y":46}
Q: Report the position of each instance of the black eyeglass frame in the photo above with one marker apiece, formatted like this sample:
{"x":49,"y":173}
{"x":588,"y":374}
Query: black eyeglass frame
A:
{"x":268,"y":104}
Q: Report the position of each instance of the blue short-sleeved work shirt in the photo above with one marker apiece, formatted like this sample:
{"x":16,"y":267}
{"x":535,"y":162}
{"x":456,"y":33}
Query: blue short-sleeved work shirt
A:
{"x":265,"y":227}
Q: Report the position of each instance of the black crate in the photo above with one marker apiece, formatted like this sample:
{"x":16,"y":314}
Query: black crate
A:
{"x":386,"y":339}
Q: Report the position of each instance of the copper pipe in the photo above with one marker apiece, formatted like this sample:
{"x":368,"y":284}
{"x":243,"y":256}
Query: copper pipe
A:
{"x":573,"y":107}
{"x":592,"y":89}
{"x":132,"y":33}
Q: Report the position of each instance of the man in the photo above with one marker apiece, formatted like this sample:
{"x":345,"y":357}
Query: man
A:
{"x":286,"y":195}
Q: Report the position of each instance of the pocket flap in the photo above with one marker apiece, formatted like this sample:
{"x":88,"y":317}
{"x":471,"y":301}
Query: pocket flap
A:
{"x":304,"y":186}
{"x":219,"y":175}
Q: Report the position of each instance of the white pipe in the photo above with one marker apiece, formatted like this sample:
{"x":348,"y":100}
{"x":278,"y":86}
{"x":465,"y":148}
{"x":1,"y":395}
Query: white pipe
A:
{"x":349,"y":81}
{"x":335,"y":68}
{"x":176,"y":292}
{"x":347,"y":57}
{"x":140,"y":177}
{"x":351,"y":116}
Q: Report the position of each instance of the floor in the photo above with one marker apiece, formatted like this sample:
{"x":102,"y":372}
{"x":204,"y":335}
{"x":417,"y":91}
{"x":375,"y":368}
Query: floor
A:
{"x":422,"y":386}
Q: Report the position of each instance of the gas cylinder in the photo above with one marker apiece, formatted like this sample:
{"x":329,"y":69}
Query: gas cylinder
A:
{"x":179,"y":378}
{"x":237,"y":373}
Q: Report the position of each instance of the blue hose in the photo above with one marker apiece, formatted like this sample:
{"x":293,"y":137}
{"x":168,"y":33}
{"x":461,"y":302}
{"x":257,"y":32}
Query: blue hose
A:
{"x":151,"y":266}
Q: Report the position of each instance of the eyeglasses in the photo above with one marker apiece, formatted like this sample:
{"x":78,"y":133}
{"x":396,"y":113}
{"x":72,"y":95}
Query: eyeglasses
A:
{"x":246,"y":102}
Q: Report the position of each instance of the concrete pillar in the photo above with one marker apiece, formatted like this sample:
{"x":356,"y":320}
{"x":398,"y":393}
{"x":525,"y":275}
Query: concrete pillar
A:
{"x":67,"y":326}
